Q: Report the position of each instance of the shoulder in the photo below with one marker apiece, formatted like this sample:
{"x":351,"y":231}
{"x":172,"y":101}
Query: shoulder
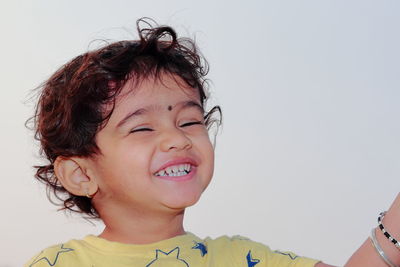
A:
{"x":59,"y":255}
{"x":242,"y":249}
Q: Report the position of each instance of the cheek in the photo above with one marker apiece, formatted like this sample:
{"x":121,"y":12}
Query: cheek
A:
{"x":211,"y":162}
{"x":208,"y":155}
{"x":123,"y":163}
{"x":209,"y":167}
{"x":208,"y":146}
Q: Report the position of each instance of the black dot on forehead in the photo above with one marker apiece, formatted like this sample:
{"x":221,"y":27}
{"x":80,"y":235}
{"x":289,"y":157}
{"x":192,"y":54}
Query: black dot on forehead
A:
{"x":169,"y":108}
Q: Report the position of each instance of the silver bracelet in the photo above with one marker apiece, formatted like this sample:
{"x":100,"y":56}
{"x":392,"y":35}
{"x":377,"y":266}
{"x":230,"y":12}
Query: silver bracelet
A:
{"x":379,"y":250}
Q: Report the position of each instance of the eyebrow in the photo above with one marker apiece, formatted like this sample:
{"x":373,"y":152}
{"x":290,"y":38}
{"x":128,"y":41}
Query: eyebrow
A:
{"x":144,"y":110}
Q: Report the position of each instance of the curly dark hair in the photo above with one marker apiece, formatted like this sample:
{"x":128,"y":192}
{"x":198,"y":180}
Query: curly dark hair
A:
{"x":70,"y":108}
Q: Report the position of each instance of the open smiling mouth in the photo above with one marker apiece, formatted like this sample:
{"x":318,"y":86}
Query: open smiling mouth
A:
{"x":176,"y":170}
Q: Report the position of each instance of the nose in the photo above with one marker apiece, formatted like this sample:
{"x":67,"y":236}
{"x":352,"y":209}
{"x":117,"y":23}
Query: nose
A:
{"x":175,"y":139}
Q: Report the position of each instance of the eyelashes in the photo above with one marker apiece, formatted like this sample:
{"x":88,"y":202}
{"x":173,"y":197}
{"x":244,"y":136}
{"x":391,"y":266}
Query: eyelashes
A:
{"x":191,"y":123}
{"x":142,"y":130}
{"x":186,"y":124}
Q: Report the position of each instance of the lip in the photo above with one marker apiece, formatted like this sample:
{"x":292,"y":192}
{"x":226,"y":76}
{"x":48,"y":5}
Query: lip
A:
{"x":178,"y":161}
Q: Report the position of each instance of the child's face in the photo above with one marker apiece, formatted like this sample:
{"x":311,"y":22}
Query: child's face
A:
{"x":154,"y":128}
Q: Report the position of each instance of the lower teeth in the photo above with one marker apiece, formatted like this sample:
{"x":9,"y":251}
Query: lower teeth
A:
{"x":176,"y":173}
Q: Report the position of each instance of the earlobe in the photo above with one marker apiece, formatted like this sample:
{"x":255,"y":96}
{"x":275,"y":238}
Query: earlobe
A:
{"x":73,"y":177}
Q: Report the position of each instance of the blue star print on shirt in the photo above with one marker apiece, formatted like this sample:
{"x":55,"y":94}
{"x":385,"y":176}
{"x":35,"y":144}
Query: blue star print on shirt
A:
{"x":291,"y":256}
{"x":171,"y":255}
{"x":57,"y":250}
{"x":201,"y":247}
{"x":250,"y":261}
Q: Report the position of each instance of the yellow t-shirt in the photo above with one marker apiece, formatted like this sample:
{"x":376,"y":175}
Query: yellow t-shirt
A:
{"x":181,"y":251}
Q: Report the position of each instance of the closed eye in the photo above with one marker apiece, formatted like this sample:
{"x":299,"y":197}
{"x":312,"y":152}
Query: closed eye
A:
{"x":191,"y":123}
{"x":142,"y":130}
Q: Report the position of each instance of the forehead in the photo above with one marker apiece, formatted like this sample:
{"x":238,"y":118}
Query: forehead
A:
{"x":163,"y":87}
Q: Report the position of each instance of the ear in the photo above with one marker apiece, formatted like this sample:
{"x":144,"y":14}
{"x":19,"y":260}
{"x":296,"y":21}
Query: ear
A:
{"x":71,"y":173}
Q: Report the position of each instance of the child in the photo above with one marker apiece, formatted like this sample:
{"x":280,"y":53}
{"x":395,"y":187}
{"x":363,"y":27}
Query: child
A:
{"x":125,"y":131}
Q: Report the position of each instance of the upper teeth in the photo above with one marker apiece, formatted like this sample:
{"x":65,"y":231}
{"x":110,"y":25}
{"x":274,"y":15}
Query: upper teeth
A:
{"x":176,"y":170}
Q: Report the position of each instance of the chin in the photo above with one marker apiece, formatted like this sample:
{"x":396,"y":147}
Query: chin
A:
{"x":181,"y":201}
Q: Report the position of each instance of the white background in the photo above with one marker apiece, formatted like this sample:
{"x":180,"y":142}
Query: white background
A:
{"x":309,"y":152}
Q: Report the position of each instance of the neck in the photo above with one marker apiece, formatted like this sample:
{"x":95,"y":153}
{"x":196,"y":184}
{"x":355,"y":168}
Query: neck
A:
{"x":140,"y":227}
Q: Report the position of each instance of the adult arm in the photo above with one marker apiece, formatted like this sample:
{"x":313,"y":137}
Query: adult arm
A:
{"x":366,"y":255}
